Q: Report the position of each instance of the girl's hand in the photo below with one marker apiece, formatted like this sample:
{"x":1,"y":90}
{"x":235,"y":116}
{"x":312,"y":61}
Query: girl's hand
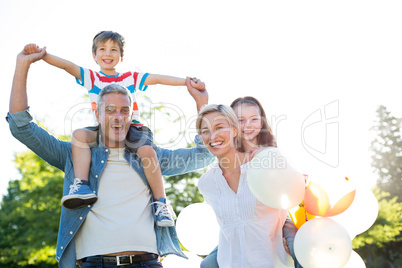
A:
{"x":285,"y":245}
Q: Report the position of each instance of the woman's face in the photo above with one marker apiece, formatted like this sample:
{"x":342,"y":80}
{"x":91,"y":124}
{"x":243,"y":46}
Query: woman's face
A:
{"x":217,"y":134}
{"x":250,"y":122}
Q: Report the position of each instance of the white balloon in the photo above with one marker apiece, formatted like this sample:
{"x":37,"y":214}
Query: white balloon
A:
{"x":322,"y":242}
{"x":273,"y":182}
{"x":197,"y":228}
{"x":173,"y":261}
{"x":361,"y":214}
{"x":355,"y":261}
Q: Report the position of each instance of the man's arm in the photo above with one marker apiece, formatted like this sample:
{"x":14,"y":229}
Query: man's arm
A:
{"x":18,"y":98}
{"x":173,"y":162}
{"x":66,"y":65}
{"x":37,"y":139}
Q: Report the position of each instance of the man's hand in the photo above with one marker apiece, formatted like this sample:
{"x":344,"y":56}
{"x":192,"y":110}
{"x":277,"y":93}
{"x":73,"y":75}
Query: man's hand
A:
{"x":31,"y":48}
{"x":31,"y":53}
{"x":200,"y":96}
{"x":18,"y":97}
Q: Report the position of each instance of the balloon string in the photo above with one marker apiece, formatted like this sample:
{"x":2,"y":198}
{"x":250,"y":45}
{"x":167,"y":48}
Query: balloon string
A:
{"x":302,"y":204}
{"x":305,"y":215}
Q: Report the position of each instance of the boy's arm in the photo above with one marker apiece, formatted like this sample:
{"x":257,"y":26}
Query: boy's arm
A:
{"x":154,"y":79}
{"x":66,"y":65}
{"x":58,"y":62}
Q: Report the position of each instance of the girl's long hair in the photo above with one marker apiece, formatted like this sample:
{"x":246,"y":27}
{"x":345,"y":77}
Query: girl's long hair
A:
{"x":265,"y":138}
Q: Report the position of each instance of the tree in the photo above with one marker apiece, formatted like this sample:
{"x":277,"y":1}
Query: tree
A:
{"x":387,"y":153}
{"x":182,"y":189}
{"x":30,"y":214}
{"x":380,"y":245}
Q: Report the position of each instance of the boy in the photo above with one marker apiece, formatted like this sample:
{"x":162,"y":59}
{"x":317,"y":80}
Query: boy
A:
{"x":108,"y":51}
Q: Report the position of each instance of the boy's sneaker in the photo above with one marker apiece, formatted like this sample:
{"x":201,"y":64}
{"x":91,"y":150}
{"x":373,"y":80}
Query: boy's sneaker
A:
{"x":164,"y":213}
{"x":80,"y":195}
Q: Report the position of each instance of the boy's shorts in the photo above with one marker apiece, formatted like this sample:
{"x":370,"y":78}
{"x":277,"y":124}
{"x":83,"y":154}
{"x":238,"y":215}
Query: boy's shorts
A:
{"x":137,"y":136}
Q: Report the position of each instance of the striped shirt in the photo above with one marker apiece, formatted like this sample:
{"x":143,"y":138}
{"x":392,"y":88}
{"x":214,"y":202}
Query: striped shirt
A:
{"x":94,"y":82}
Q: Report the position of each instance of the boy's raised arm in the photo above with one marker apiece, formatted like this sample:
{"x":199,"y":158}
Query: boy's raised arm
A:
{"x":154,"y":79}
{"x":66,"y":65}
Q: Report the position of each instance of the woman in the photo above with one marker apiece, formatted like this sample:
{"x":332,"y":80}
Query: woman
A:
{"x":255,"y":133}
{"x":250,"y":232}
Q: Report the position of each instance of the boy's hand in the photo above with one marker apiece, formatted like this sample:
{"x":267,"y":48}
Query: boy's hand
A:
{"x":31,"y":53}
{"x":31,"y":48}
{"x":200,"y":96}
{"x":197,"y":84}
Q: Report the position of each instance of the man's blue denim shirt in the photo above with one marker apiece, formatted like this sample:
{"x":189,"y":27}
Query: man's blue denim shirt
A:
{"x":58,"y":153}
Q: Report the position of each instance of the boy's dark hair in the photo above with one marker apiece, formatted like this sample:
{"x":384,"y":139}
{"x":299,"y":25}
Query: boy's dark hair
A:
{"x":104,"y":36}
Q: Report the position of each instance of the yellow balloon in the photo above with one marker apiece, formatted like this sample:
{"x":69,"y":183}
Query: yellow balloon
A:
{"x":299,"y":215}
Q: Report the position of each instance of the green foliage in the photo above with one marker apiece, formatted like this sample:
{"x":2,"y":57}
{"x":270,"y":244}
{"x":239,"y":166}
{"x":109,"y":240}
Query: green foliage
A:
{"x":181,"y":190}
{"x":380,"y":246}
{"x":382,"y":242}
{"x":29,"y":214}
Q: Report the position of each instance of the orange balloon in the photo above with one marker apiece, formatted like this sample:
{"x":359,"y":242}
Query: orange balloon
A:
{"x":299,"y":215}
{"x":317,"y":202}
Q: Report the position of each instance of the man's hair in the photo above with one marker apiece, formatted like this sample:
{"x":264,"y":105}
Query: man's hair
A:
{"x":113,"y":88}
{"x":265,"y":137}
{"x":224,"y":110}
{"x":104,"y":36}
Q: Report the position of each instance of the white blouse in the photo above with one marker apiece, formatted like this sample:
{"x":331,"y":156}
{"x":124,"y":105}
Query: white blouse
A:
{"x":250,"y":232}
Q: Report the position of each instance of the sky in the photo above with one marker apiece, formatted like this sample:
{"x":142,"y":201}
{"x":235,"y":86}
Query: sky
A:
{"x":320,"y":68}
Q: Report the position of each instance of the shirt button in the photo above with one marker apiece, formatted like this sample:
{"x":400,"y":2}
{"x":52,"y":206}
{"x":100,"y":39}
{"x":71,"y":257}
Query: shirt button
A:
{"x":61,"y":247}
{"x":94,"y":192}
{"x":102,"y":161}
{"x":80,"y":218}
{"x":89,"y":206}
{"x":107,"y":150}
{"x":96,"y":176}
{"x":71,"y":232}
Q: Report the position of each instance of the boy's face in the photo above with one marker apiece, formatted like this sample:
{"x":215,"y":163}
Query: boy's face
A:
{"x":107,"y":56}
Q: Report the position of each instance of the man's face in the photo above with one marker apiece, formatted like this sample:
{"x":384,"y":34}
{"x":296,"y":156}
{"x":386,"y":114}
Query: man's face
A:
{"x":114,"y":117}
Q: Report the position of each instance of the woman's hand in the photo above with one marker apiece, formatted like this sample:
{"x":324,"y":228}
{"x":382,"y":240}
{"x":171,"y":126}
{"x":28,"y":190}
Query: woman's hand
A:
{"x":200,"y":96}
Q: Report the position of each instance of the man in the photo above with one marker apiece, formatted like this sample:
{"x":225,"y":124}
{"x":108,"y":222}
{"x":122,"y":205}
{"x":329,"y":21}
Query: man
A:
{"x":120,"y":228}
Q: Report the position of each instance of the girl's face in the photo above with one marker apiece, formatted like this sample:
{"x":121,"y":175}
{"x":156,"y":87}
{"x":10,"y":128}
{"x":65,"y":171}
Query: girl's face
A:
{"x":250,"y":122}
{"x":107,"y":56}
{"x":217,"y":134}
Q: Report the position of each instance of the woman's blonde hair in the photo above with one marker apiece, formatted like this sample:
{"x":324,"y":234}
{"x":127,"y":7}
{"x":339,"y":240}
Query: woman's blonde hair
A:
{"x":224,"y":110}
